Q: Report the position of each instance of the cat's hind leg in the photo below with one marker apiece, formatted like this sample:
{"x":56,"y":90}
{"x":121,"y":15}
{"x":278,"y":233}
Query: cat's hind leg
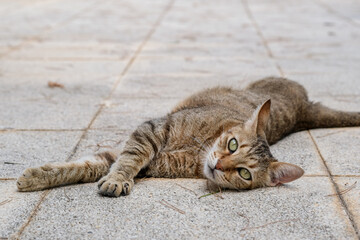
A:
{"x":86,"y":169}
{"x":316,"y":115}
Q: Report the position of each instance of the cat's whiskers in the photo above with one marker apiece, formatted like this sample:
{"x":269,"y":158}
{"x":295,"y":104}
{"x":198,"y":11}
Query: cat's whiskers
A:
{"x":221,"y":180}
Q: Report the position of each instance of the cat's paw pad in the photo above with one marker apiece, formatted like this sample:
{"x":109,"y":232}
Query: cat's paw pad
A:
{"x":32,"y":179}
{"x":114,"y":186}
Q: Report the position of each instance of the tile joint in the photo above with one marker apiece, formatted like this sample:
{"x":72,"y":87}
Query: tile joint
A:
{"x":261,"y":36}
{"x":127,"y":67}
{"x":336,"y":13}
{"x":340,"y":197}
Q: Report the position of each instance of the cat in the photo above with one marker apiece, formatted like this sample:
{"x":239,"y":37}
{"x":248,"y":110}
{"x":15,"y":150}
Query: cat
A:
{"x":221,"y":134}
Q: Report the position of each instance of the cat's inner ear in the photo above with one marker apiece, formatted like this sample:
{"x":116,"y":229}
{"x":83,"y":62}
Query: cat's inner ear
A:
{"x":258,"y":121}
{"x":281,"y":172}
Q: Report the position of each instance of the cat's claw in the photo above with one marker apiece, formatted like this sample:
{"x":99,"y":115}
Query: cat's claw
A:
{"x":114,"y":186}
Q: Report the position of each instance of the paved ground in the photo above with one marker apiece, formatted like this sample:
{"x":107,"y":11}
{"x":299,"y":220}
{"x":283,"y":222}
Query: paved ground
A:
{"x":122,"y":62}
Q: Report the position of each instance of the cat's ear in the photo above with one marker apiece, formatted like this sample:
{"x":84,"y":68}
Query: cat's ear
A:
{"x":258,"y":121}
{"x":281,"y":172}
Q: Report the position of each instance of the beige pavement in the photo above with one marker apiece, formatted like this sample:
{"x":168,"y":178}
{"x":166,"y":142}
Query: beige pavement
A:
{"x":122,"y":62}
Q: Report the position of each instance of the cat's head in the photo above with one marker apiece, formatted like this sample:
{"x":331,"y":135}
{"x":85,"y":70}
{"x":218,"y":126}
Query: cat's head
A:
{"x":241,"y":159}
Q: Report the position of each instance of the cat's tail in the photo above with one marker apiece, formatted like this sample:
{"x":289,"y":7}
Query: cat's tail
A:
{"x":315,"y":115}
{"x":86,"y":169}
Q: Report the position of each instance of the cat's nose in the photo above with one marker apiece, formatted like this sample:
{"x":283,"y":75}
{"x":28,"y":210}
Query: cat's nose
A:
{"x":218,"y":165}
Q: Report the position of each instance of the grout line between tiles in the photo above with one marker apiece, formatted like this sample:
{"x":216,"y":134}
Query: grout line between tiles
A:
{"x":39,"y":130}
{"x":127,"y":67}
{"x":32,"y":215}
{"x":315,"y":175}
{"x":336,"y":13}
{"x":336,"y":175}
{"x":262,"y":37}
{"x":46,"y":192}
{"x":148,"y":36}
{"x":346,"y":175}
{"x":271,"y":55}
{"x":31,"y":39}
{"x":331,"y":177}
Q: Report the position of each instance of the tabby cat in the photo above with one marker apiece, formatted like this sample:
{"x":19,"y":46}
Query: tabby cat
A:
{"x":221,"y":134}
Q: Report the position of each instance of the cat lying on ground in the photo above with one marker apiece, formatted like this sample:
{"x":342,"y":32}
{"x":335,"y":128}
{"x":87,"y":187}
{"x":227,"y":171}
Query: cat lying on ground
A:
{"x":221,"y":134}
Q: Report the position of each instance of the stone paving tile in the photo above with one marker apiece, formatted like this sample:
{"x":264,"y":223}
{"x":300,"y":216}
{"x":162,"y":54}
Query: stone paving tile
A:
{"x":328,"y":67}
{"x":345,"y":10}
{"x":9,"y":6}
{"x":217,"y":67}
{"x":300,"y":210}
{"x":339,"y":91}
{"x":31,"y":104}
{"x":83,"y":71}
{"x":163,"y":85}
{"x":299,"y":149}
{"x":156,"y":76}
{"x":98,"y":141}
{"x":85,"y":46}
{"x":76,"y":51}
{"x":350,"y":189}
{"x":148,"y":86}
{"x":76,"y":108}
{"x":246,"y":50}
{"x":105,"y":39}
{"x":224,"y":29}
{"x":14,"y":211}
{"x":126,"y":22}
{"x":229,"y":47}
{"x":127,"y":113}
{"x":339,"y":147}
{"x":334,"y":83}
{"x":20,"y":150}
{"x":323,"y":58}
{"x":32,"y":21}
{"x":326,"y":38}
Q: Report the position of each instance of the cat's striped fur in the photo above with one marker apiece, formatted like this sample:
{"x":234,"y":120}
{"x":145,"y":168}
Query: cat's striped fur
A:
{"x":192,"y":141}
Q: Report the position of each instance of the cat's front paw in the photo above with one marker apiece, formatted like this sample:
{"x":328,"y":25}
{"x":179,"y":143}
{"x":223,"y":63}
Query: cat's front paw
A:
{"x":33,"y":179}
{"x":115,"y":185}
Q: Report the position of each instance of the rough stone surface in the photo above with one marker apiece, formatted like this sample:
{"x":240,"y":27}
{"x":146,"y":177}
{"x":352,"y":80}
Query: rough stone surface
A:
{"x":99,"y":141}
{"x":14,"y":210}
{"x":301,"y":210}
{"x":124,"y":62}
{"x":127,"y":113}
{"x":350,"y":191}
{"x":21,"y":150}
{"x":299,"y":149}
{"x":340,"y":149}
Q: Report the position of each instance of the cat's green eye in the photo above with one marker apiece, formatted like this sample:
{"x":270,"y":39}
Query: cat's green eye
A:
{"x":233,"y":145}
{"x":244,"y":173}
